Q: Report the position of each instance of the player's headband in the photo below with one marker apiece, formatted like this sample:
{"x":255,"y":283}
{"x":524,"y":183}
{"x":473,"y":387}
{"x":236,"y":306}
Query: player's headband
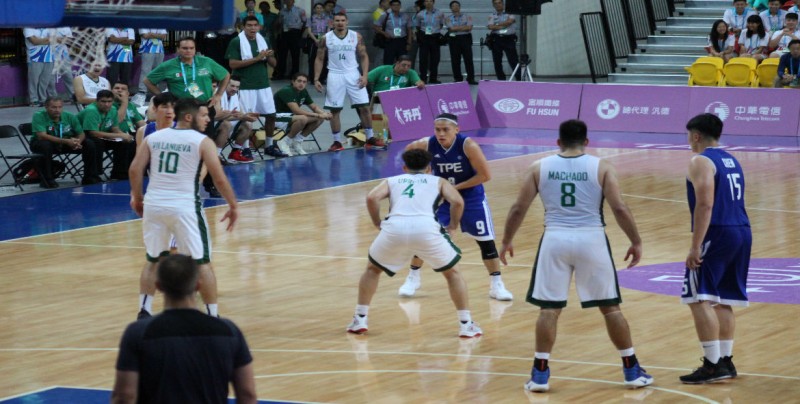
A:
{"x":447,"y":117}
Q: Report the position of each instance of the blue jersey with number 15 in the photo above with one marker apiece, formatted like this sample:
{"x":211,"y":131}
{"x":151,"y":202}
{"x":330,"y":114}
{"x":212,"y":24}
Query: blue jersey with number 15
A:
{"x":728,"y":207}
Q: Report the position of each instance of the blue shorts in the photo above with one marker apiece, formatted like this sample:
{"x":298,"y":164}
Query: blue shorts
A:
{"x":476,"y":220}
{"x":722,"y":276}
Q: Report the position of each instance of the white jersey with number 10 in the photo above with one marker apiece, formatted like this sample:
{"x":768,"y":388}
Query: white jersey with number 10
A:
{"x":175,"y":165}
{"x":342,"y":52}
{"x":571,"y":192}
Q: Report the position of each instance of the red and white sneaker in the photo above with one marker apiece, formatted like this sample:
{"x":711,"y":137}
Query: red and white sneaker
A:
{"x":238,"y":156}
{"x":336,"y":146}
{"x":358,"y":325}
{"x":375,"y":143}
{"x":470,"y":330}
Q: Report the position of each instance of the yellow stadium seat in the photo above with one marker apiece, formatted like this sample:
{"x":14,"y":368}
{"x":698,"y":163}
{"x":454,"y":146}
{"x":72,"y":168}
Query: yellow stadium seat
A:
{"x":766,"y":72}
{"x":705,"y":71}
{"x":739,"y":72}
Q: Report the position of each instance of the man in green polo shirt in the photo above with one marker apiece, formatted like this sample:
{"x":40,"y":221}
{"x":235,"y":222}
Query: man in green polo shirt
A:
{"x":55,"y":132}
{"x":128,"y":116}
{"x":99,"y":120}
{"x":392,"y":77}
{"x":298,"y":122}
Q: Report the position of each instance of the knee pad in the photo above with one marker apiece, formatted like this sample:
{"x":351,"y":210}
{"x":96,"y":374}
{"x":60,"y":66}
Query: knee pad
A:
{"x":488,"y":249}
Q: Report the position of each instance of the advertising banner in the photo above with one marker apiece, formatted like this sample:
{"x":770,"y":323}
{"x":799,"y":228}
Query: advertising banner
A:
{"x":409,"y":113}
{"x":505,"y":104}
{"x":456,"y":99}
{"x":653,"y":109}
{"x":749,"y":111}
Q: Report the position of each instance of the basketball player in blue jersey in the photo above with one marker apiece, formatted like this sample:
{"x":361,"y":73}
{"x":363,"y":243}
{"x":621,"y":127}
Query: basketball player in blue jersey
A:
{"x":163,"y":106}
{"x":460,"y":160}
{"x":719,"y":255}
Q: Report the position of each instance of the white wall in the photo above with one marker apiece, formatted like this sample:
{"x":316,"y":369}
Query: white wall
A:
{"x":555,"y":41}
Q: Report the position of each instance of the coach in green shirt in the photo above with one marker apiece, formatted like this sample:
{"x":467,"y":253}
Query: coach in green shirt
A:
{"x":392,"y":77}
{"x":55,"y":132}
{"x":189,"y":75}
{"x":99,"y":120}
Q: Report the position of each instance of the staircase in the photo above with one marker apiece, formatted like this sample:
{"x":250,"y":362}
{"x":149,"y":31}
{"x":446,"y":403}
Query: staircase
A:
{"x":677,"y":43}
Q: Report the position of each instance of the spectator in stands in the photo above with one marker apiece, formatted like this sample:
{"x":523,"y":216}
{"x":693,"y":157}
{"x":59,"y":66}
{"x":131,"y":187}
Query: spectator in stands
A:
{"x":119,"y":53}
{"x":99,"y":121}
{"x":754,"y":41}
{"x":55,"y":132}
{"x":233,"y":122}
{"x":319,"y":23}
{"x":128,"y":116}
{"x":795,"y":8}
{"x":292,"y":20}
{"x":383,"y":5}
{"x":40,"y":64}
{"x":250,"y":9}
{"x":720,"y":43}
{"x":459,"y":30}
{"x":503,"y":31}
{"x":736,"y":17}
{"x":63,"y":36}
{"x":270,"y":21}
{"x":395,"y":26}
{"x":333,"y":8}
{"x":87,"y":85}
{"x":773,"y":17}
{"x":248,"y":56}
{"x":430,"y":22}
{"x":296,"y":121}
{"x":414,"y":50}
{"x":789,"y":67}
{"x":780,"y":39}
{"x":151,"y":51}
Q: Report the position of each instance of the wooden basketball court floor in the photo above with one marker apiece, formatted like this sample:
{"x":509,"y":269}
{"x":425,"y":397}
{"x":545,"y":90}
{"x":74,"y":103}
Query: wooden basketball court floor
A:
{"x":288,"y":276}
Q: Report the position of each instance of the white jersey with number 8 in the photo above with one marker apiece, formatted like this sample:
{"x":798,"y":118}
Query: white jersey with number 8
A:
{"x":570,"y":191}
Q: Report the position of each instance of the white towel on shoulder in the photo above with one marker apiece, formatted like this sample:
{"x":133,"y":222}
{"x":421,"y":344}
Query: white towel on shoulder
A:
{"x":244,"y":45}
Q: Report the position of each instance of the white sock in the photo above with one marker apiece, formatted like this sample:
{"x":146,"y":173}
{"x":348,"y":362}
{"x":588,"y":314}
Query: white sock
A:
{"x":299,"y":138}
{"x":219,"y":150}
{"x":626,"y":352}
{"x":368,"y":132}
{"x":236,"y":146}
{"x":337,"y":136}
{"x":542,"y":355}
{"x":362,"y":310}
{"x":246,"y":144}
{"x":464,"y":316}
{"x":268,"y":142}
{"x":211,"y":310}
{"x":146,"y":302}
{"x":711,"y":350}
{"x":725,"y":347}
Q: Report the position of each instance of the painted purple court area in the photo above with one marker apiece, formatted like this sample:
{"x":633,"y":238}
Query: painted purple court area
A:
{"x":770,"y":280}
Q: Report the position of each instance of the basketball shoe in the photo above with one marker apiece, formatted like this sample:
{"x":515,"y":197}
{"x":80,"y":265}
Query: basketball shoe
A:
{"x":336,"y":146}
{"x":374,"y":143}
{"x":297,"y":148}
{"x":727,"y":361}
{"x":286,"y":146}
{"x":470,"y":330}
{"x":238,"y":156}
{"x":636,"y":377}
{"x":358,"y":325}
{"x":539,"y":382}
{"x":497,"y":290}
{"x":410,"y":286}
{"x":708,"y":373}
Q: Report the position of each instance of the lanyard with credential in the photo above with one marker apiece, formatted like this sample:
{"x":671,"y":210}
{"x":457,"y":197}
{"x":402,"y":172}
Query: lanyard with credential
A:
{"x":183,"y":74}
{"x":61,"y":129}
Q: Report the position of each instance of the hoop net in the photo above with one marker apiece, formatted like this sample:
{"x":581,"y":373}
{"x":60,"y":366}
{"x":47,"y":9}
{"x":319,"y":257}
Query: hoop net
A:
{"x":87,"y":47}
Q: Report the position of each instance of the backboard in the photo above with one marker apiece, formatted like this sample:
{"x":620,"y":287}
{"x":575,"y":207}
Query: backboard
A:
{"x":196,"y":15}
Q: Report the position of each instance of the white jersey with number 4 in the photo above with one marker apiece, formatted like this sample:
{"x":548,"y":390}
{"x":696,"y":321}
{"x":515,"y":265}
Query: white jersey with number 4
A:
{"x":571,"y":192}
{"x":342,"y":51}
{"x":413,"y":196}
{"x":175,"y":164}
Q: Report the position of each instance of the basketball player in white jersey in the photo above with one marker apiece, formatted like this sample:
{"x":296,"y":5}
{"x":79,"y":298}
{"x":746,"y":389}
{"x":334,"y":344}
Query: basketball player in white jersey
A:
{"x":411,"y":229}
{"x":172,"y":203}
{"x":343,"y":47}
{"x":572,"y":186}
{"x":87,"y":85}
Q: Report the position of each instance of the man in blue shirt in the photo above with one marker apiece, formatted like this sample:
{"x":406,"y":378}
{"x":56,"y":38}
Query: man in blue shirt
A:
{"x":789,"y":66}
